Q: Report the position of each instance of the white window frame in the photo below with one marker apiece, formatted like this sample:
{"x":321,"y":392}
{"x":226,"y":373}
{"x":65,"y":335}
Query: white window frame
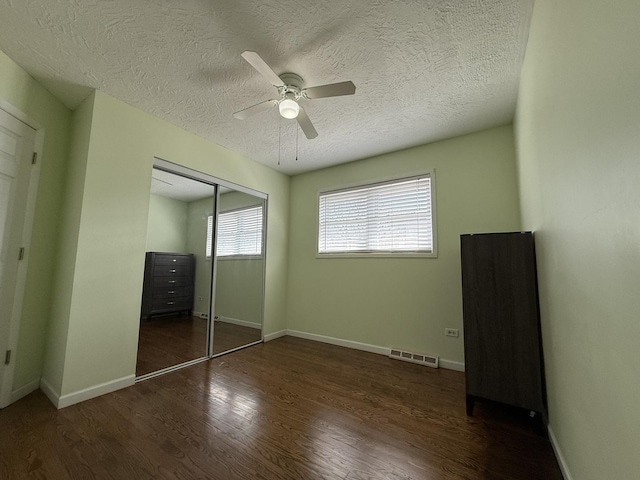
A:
{"x":209,"y":240}
{"x":380,"y":254}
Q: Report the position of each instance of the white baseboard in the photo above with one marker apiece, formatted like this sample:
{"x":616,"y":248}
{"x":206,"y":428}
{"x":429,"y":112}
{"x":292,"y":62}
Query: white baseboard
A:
{"x":564,"y":468}
{"x":49,"y":391}
{"x":62,"y":401}
{"x":274,"y":335}
{"x":451,"y":365}
{"x":25,"y":390}
{"x":365,"y":347}
{"x":242,"y":323}
{"x":200,"y":314}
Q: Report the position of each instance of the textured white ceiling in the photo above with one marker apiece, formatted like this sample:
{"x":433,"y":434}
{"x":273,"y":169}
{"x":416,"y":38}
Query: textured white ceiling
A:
{"x":181,"y":188}
{"x":425,"y":70}
{"x":174,"y":186}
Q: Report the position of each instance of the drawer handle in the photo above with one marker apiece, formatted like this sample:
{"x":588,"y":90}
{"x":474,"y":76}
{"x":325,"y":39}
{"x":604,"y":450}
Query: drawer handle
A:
{"x":174,"y":260}
{"x":171,"y":292}
{"x":172,"y":281}
{"x":170,"y":303}
{"x":172,"y":270}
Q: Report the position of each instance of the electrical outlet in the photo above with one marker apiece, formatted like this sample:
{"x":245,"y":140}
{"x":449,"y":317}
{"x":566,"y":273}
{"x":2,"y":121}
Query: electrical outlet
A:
{"x":451,"y":332}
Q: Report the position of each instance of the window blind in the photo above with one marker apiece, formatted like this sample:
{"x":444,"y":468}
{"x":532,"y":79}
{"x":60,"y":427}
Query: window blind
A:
{"x":239,"y":232}
{"x":388,"y":217}
{"x":209,"y":246}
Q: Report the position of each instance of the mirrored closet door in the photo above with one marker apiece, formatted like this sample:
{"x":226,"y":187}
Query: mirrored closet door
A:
{"x":239,"y":280}
{"x":174,"y":317}
{"x":204,"y":261}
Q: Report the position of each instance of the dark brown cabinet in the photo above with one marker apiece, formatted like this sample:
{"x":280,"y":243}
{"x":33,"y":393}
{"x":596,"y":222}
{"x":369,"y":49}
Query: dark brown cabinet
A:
{"x":168,"y":283}
{"x":502,"y":340}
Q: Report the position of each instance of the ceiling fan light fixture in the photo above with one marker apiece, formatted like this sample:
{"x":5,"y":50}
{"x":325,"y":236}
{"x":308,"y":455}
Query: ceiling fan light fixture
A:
{"x":289,"y":108}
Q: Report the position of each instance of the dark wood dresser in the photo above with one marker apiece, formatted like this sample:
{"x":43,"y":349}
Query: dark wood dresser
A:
{"x":168,"y":283}
{"x":502,"y":338}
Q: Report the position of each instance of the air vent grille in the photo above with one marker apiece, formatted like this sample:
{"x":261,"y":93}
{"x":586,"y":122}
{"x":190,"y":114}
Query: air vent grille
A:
{"x":419,"y":358}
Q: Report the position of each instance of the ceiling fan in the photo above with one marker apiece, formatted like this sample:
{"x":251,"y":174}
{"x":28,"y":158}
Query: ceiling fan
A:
{"x":290,"y":92}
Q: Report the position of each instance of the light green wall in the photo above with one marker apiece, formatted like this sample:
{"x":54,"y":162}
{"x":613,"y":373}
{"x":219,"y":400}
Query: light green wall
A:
{"x":102,"y":333}
{"x":199,"y":211}
{"x":578,"y":124}
{"x":64,"y":278}
{"x":167,"y":226}
{"x":24,"y":93}
{"x":405,"y":302}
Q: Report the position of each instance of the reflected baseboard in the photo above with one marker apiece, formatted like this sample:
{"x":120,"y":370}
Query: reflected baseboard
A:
{"x":236,"y":321}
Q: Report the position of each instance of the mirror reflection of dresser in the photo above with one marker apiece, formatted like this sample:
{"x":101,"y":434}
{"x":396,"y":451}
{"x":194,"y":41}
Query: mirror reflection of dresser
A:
{"x":168,"y":284}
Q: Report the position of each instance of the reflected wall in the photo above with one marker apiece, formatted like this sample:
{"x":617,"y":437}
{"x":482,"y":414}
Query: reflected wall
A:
{"x":239,"y":284}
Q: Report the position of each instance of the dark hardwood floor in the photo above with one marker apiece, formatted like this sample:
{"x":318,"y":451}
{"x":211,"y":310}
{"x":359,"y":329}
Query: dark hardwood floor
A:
{"x":287,"y":409}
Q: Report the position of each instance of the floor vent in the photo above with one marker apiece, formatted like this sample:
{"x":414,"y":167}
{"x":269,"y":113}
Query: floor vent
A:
{"x":422,"y":359}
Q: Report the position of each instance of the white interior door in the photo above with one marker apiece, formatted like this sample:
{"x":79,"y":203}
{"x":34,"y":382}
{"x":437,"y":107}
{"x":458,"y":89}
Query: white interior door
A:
{"x":17,"y":144}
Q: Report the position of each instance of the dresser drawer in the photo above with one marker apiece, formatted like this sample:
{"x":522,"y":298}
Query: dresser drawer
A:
{"x":169,"y":304}
{"x":171,"y":292}
{"x":168,"y":259}
{"x":171,"y":282}
{"x":171,"y":270}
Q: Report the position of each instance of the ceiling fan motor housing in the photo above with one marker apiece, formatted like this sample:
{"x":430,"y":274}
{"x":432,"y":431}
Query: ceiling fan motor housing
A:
{"x":292,"y":80}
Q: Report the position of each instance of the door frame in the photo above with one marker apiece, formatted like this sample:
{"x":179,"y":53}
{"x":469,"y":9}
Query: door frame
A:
{"x":7,"y":395}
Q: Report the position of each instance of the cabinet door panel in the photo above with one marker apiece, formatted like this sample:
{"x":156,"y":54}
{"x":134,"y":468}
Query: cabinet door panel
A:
{"x":501,"y":324}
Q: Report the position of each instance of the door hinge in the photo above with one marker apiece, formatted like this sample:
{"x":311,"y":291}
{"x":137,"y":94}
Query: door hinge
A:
{"x":21,"y":254}
{"x":34,"y":159}
{"x":7,"y":357}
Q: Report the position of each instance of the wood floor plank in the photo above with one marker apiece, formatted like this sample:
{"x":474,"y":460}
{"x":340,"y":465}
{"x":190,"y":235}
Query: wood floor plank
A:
{"x":289,"y":409}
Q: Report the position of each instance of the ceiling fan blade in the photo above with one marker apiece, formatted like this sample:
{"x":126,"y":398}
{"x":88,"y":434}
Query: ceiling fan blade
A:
{"x":330,"y":90}
{"x":306,"y":125}
{"x":259,"y":108}
{"x":261,"y":66}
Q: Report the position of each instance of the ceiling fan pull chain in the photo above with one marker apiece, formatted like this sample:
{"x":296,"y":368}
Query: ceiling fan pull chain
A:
{"x":297,"y":131}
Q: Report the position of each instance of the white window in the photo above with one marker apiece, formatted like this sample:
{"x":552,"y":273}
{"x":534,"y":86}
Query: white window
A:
{"x":390,"y":218}
{"x":239,"y":233}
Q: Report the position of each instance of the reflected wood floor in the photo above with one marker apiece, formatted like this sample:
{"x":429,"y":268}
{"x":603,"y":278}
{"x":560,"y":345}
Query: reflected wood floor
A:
{"x":165,"y":341}
{"x":287,"y":409}
{"x":172,"y":340}
{"x":227,"y":336}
